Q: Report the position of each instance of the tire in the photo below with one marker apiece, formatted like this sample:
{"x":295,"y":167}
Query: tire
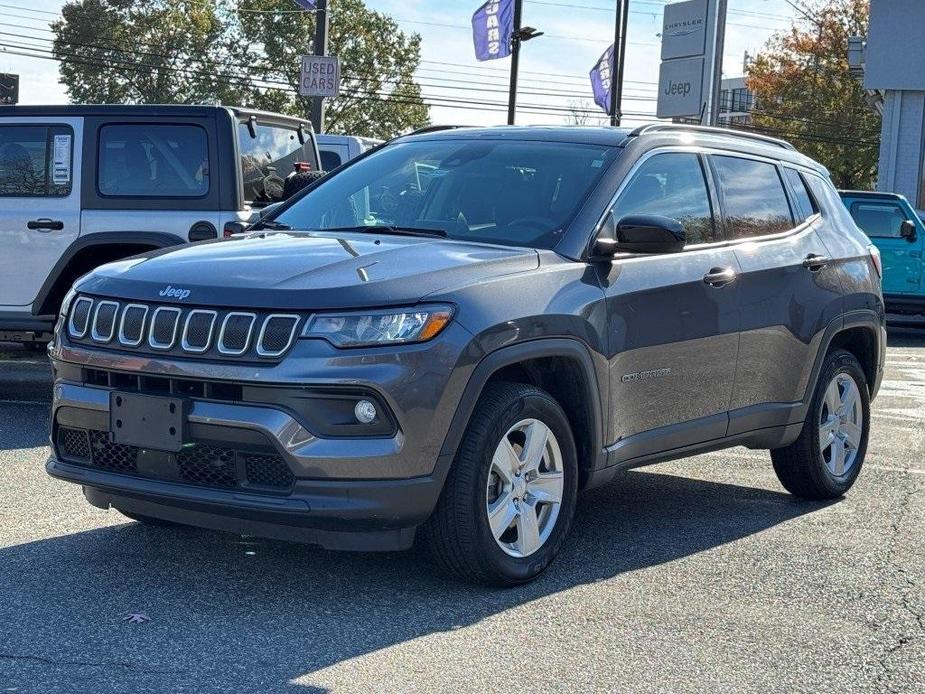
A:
{"x":149,"y":520}
{"x":806,"y":468}
{"x":459,"y":533}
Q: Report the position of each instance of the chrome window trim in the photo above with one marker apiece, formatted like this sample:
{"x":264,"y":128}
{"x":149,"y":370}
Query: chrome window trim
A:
{"x":250,"y":334}
{"x":141,"y":336}
{"x":296,"y":319}
{"x":71,"y":331}
{"x":183,"y":341}
{"x":696,"y":149}
{"x":97,"y":337}
{"x":154,"y":344}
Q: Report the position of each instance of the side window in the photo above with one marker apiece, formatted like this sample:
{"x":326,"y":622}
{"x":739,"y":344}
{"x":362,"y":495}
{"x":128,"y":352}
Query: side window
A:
{"x":671,"y":185}
{"x":881,"y":219}
{"x":806,"y":207}
{"x":35,"y":161}
{"x":755,"y":201}
{"x":330,"y":160}
{"x":267,"y":157}
{"x":152,"y":160}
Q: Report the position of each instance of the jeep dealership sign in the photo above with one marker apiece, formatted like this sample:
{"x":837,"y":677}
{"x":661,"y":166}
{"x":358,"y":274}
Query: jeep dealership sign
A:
{"x":680,"y":87}
{"x":684,"y":29}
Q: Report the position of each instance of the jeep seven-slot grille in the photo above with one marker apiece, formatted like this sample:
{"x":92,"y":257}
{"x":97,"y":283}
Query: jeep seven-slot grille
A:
{"x":201,"y":464}
{"x":181,"y":330}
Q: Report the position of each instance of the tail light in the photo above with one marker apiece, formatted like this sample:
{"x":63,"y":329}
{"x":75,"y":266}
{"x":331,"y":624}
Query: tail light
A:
{"x":877,"y":260}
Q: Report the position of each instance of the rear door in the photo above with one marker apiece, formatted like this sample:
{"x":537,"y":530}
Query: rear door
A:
{"x":789,"y":287}
{"x":881,"y":220}
{"x":39,"y":201}
{"x":673,"y":318}
{"x":152,"y":174}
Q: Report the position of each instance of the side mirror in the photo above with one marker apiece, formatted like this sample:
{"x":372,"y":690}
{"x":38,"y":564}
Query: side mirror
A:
{"x":907,"y":230}
{"x":640,"y":234}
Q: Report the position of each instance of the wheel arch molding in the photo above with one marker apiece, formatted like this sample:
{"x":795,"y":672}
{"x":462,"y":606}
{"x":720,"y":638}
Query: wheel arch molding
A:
{"x":522,"y":362}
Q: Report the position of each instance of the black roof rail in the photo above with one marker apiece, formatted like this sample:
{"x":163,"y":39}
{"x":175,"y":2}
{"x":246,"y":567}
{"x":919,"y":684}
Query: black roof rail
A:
{"x":729,"y":132}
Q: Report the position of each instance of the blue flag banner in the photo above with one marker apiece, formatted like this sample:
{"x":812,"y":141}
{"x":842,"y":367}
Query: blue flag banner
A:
{"x":306,"y":4}
{"x":602,"y":79}
{"x":492,"y":29}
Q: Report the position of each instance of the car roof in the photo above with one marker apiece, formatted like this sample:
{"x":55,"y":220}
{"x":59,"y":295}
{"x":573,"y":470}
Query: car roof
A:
{"x":109,"y":110}
{"x":575,"y":134}
{"x":658,"y":133}
{"x":869,"y":194}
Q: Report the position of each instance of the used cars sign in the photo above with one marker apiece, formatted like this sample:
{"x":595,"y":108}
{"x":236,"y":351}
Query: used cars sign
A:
{"x":320,"y":76}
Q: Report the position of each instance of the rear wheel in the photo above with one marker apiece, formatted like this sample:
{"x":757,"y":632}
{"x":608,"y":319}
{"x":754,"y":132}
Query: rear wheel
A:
{"x":825,"y":461}
{"x":510,"y":496}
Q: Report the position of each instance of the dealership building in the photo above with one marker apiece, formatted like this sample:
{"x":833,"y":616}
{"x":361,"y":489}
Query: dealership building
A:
{"x":895,"y":66}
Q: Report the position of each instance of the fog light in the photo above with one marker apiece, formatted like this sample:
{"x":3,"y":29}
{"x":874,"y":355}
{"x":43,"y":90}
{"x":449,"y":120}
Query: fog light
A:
{"x":365,"y":412}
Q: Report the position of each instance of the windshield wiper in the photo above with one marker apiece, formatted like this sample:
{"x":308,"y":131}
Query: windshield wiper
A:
{"x":389,"y":229}
{"x":269,"y":224}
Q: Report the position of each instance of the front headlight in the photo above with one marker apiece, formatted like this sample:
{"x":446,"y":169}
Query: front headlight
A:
{"x":389,"y":327}
{"x":66,"y":302}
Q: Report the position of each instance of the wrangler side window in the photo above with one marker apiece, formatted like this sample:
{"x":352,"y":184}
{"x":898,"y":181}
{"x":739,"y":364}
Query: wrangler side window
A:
{"x":35,"y":160}
{"x":878,"y":219}
{"x":671,"y":185}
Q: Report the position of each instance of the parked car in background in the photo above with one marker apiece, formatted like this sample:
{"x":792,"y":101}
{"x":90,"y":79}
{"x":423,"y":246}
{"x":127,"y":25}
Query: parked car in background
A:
{"x":898,"y":231}
{"x":456,"y":333}
{"x":339,"y":149}
{"x":84,"y":185}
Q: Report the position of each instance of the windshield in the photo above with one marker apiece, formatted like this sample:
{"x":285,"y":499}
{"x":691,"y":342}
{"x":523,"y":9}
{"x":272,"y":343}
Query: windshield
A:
{"x":496,"y":191}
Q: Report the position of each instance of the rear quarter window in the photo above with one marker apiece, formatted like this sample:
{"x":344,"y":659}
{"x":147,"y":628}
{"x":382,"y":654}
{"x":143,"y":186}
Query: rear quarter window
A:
{"x":153,"y":160}
{"x":269,"y":153}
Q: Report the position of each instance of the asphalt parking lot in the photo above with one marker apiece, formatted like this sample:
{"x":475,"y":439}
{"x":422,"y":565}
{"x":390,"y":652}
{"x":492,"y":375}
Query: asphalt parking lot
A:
{"x":696,"y":575}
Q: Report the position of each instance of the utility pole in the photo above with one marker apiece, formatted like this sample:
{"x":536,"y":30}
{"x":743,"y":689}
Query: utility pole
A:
{"x":716,"y":39}
{"x":322,"y":23}
{"x":619,"y":56}
{"x":520,"y":35}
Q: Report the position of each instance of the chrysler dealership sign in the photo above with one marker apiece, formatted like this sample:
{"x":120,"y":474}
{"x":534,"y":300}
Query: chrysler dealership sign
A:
{"x":681,"y":77}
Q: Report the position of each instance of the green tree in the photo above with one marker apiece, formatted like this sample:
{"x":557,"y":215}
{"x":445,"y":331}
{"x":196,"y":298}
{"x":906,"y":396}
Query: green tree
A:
{"x":379,"y":96}
{"x":243,"y":53}
{"x":805,"y":93}
{"x":148,"y":51}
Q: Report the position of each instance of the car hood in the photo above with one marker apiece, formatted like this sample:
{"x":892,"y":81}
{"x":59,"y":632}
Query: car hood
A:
{"x":306,"y":271}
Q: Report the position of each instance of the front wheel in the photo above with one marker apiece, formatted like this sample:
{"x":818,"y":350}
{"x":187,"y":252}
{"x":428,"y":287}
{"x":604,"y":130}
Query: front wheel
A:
{"x":510,"y":495}
{"x":825,"y":461}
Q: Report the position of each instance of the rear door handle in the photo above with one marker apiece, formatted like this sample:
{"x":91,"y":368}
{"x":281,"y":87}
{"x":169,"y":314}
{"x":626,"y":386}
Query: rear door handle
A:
{"x":814,"y":262}
{"x":720,"y":277}
{"x":45,"y":225}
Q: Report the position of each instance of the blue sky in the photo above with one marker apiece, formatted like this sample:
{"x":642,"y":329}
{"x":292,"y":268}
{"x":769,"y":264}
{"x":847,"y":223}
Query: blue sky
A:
{"x":554,"y":68}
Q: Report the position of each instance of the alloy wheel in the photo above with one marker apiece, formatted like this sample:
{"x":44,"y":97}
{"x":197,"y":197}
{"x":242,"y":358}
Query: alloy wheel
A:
{"x":841,"y":424}
{"x":525,"y":488}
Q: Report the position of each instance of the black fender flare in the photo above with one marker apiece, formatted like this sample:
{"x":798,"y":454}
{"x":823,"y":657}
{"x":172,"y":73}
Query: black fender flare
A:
{"x":155,"y":239}
{"x":862,"y":318}
{"x":524,"y":351}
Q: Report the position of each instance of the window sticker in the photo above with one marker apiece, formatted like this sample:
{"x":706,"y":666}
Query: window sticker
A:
{"x":61,"y":163}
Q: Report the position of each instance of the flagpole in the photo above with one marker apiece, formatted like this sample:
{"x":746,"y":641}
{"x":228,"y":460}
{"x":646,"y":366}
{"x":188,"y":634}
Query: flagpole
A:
{"x":616,"y":70}
{"x":515,"y":63}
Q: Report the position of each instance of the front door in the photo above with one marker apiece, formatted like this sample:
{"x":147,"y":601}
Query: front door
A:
{"x":902,"y":257}
{"x":39,"y":201}
{"x":673,"y":319}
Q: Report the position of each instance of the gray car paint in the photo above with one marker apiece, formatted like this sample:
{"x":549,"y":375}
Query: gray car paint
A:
{"x":742,"y":358}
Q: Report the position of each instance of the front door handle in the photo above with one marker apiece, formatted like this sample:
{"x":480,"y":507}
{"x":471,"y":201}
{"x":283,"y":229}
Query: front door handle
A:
{"x":45,"y":224}
{"x":720,"y":277}
{"x":814,"y":263}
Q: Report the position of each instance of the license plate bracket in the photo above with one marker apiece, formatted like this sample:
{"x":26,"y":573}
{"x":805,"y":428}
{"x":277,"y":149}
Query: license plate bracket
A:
{"x":148,"y":421}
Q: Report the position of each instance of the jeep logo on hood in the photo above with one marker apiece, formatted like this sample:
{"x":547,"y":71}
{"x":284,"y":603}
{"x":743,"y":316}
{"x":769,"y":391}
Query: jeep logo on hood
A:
{"x":169,"y":292}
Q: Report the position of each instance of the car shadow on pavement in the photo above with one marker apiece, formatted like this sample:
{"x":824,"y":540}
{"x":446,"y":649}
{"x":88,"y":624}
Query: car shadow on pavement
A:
{"x":237,"y":614}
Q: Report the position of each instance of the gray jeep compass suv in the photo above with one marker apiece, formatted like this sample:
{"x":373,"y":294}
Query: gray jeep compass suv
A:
{"x":454,"y":334}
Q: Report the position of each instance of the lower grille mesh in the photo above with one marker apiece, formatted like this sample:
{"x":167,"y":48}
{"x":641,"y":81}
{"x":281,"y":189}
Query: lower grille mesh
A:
{"x":200,"y":464}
